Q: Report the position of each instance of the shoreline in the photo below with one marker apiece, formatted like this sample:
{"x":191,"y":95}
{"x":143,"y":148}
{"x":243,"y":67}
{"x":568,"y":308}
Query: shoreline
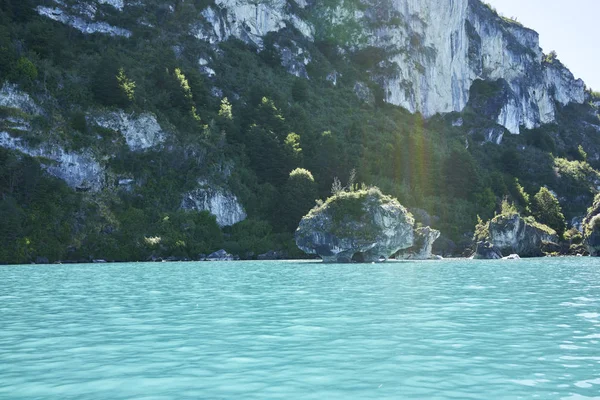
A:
{"x":296,"y":260}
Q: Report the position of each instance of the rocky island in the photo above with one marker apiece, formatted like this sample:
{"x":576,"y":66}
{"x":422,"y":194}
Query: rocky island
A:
{"x":361,"y":226}
{"x":591,"y":225}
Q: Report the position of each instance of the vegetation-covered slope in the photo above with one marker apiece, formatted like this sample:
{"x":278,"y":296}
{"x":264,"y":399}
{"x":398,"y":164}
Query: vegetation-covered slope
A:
{"x":244,"y":124}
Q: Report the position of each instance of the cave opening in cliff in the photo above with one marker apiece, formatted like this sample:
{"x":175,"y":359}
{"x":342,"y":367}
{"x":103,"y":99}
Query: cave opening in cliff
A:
{"x":358,"y":257}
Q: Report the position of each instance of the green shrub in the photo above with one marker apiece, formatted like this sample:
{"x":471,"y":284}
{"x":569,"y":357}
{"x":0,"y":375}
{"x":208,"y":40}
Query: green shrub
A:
{"x":507,"y":208}
{"x":299,"y":195}
{"x":25,"y":71}
{"x":78,"y":122}
{"x":547,"y":210}
{"x":573,"y":236}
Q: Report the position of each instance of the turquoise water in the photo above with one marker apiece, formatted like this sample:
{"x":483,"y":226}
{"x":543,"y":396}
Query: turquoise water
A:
{"x":288,"y":330}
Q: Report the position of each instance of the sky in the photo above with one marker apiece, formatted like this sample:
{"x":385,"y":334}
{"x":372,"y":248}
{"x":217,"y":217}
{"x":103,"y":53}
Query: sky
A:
{"x":570,"y":27}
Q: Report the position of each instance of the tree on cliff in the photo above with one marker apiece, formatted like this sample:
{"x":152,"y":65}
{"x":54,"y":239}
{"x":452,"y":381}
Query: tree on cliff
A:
{"x":299,"y":194}
{"x":547,"y":210}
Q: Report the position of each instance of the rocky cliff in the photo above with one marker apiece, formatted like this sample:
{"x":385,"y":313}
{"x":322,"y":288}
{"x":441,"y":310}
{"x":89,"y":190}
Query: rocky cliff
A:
{"x":512,"y":234}
{"x":220,"y":202}
{"x":424,"y":238}
{"x":591,"y":228}
{"x":429,"y":52}
{"x":426,"y":66}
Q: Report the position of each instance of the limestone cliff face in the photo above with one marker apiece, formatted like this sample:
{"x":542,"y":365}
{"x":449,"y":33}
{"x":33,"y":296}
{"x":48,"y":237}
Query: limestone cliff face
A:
{"x":440,"y":47}
{"x":141,"y":131}
{"x":500,"y":49}
{"x":84,"y":17}
{"x":434,"y":49}
{"x":514,"y":235}
{"x":591,"y":225}
{"x":249,"y":20}
{"x":220,"y":202}
{"x":79,"y":170}
{"x":12,"y":97}
{"x":88,"y":171}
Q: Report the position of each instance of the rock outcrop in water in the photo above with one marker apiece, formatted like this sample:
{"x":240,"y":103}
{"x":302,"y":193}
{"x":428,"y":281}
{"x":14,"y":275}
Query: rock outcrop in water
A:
{"x":591,"y":226}
{"x":423,"y":244}
{"x":362,"y":226}
{"x":513,"y":234}
{"x":486,"y":251}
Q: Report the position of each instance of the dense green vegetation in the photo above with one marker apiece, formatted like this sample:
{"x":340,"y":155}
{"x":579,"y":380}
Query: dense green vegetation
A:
{"x":287,"y":138}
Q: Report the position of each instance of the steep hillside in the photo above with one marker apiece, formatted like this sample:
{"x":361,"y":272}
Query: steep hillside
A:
{"x":138,"y":129}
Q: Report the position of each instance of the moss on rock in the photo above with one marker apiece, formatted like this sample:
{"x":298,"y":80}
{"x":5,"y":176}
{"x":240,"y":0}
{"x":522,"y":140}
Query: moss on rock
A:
{"x":363,"y":225}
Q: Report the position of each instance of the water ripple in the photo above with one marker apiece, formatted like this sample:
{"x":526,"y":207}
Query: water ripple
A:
{"x":271,"y":330}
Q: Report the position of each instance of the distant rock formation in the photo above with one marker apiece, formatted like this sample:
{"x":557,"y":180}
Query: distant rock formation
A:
{"x":141,"y":131}
{"x":221,"y":255}
{"x":217,"y":200}
{"x":79,"y":169}
{"x":83,"y":21}
{"x":486,"y":251}
{"x":362,"y":226}
{"x":591,"y":226}
{"x":513,"y":234}
{"x":423,"y":244}
{"x":425,"y":66}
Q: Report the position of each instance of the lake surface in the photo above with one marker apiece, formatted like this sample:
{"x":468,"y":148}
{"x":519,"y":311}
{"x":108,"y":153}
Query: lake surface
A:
{"x":287,"y":330}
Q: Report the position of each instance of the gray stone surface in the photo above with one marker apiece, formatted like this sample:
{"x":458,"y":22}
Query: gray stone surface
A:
{"x":384,"y":228}
{"x":423,"y":244}
{"x":591,"y":226}
{"x":217,"y":200}
{"x":513,"y":235}
{"x":141,"y":131}
{"x":486,"y":251}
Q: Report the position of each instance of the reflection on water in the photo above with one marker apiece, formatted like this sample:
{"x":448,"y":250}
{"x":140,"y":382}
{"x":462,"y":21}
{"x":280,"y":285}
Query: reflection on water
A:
{"x":260,"y":330}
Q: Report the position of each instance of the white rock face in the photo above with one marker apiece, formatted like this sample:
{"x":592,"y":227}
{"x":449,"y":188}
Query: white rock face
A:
{"x":436,"y":49}
{"x":510,"y":116}
{"x":435,"y":63}
{"x":12,"y":97}
{"x":80,"y":23}
{"x":141,"y":132}
{"x":431,"y":63}
{"x":294,"y":59}
{"x":494,"y":135}
{"x":248,"y":20}
{"x":423,"y":245}
{"x":118,"y":4}
{"x":78,"y":170}
{"x":513,"y":235}
{"x":438,"y":62}
{"x":511,"y":52}
{"x":218,"y":201}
